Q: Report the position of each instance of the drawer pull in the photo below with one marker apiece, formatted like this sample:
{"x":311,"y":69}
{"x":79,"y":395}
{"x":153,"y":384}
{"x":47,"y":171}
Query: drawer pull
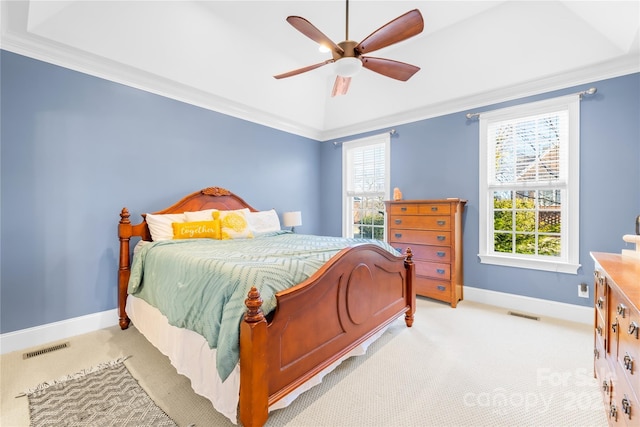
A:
{"x":441,"y":238}
{"x":599,"y":330}
{"x":440,"y":254}
{"x":398,"y":235}
{"x":628,"y":363}
{"x":633,"y":329}
{"x":403,"y":208}
{"x":440,"y":271}
{"x":613,"y":412}
{"x":441,"y":288}
{"x":614,"y":326}
{"x":626,"y":406}
{"x":596,"y":353}
{"x":600,"y":302}
{"x":441,"y":222}
{"x":398,"y":221}
{"x":605,"y":387}
{"x":621,"y":309}
{"x":434,"y":208}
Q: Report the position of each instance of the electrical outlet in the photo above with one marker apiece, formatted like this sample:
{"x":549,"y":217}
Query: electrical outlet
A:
{"x":583,"y":290}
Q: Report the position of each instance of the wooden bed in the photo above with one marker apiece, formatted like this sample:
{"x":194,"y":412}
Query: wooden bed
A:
{"x":354,"y":295}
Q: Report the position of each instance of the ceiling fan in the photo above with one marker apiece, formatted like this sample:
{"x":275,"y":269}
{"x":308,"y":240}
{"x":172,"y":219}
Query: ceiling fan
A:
{"x":348,"y":54}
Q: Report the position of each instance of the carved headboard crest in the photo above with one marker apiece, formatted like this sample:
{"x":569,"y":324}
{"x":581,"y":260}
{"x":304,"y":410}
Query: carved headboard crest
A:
{"x":215,"y":191}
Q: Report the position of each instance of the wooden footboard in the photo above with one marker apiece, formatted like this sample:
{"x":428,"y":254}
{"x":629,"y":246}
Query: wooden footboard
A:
{"x":357,"y":293}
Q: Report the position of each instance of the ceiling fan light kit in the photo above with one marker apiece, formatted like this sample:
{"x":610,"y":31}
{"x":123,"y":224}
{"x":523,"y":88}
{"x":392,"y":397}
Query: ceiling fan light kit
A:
{"x":347,"y":55}
{"x":348,"y":67}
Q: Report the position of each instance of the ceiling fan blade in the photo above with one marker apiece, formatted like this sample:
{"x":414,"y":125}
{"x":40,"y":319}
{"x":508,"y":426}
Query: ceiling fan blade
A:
{"x":390,"y":68}
{"x":341,"y":86}
{"x":307,"y":28}
{"x":401,"y":28}
{"x":303,"y":69}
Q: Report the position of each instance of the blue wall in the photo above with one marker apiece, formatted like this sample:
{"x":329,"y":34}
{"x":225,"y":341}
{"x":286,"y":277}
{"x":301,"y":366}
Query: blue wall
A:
{"x":76,"y":149}
{"x":438,"y":158}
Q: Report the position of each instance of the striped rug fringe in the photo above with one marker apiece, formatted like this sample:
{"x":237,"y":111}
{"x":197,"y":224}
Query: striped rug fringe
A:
{"x":45,"y":385}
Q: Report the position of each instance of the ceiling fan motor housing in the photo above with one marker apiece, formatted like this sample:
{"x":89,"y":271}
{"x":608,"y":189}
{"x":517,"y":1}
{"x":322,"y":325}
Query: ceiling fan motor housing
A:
{"x":349,"y":47}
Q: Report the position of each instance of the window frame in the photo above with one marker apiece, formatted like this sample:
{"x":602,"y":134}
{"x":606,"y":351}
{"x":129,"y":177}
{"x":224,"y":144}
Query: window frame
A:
{"x":568,"y":262}
{"x":347,"y":205}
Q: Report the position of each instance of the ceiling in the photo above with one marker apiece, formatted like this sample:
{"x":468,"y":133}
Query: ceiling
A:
{"x":222,"y":55}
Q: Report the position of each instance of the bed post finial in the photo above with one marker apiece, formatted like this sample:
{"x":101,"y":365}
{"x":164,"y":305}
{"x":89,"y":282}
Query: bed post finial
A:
{"x":253,"y":302}
{"x":409,"y":255}
{"x":124,"y":216}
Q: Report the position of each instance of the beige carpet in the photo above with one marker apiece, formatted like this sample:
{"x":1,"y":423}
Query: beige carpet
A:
{"x":470,"y":366}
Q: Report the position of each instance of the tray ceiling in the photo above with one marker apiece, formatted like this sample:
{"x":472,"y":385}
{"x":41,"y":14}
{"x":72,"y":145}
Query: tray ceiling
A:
{"x":222,"y":55}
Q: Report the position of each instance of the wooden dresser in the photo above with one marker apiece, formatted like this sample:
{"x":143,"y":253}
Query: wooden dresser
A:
{"x":617,"y":344}
{"x":433,"y":231}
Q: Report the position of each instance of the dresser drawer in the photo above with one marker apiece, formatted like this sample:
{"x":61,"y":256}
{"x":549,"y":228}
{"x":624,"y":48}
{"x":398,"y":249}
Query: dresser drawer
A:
{"x":401,"y":236}
{"x":437,"y":289}
{"x":435,"y":270}
{"x":434,"y":209}
{"x":427,"y":253}
{"x":424,"y":222}
{"x":629,"y":349}
{"x":404,"y":209}
{"x":420,"y":208}
{"x":626,"y":403}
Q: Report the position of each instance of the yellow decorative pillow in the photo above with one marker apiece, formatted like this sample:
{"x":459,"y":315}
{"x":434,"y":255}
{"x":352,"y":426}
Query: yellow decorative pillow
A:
{"x":196,"y":230}
{"x":233,"y":224}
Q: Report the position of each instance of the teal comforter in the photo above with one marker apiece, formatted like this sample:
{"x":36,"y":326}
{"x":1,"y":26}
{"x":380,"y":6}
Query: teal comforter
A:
{"x":201,"y":284}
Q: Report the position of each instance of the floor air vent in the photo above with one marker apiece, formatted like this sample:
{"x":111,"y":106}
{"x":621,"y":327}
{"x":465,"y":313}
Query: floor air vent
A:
{"x":45,"y":350}
{"x":524,"y":316}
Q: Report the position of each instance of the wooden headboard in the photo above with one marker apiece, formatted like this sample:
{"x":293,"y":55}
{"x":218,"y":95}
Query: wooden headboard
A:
{"x":208,"y":198}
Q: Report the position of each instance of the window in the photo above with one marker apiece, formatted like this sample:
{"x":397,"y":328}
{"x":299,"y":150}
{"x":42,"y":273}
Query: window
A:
{"x":529,"y":185}
{"x":365,"y":186}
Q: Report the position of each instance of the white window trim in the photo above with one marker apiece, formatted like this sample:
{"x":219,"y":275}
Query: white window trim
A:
{"x":569,"y":263}
{"x":385,"y":138}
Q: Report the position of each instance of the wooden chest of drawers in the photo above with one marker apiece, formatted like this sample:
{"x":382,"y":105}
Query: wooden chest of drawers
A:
{"x":433,"y":231}
{"x":617,"y":343}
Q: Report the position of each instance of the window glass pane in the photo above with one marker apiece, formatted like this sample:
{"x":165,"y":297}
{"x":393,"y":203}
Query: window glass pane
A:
{"x":549,"y":215}
{"x":503,"y":242}
{"x":528,"y":150}
{"x":526,"y":244}
{"x":503,"y":200}
{"x":549,"y":245}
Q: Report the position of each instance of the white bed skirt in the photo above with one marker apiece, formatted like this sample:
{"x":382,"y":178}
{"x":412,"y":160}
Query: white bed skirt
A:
{"x":190,"y":354}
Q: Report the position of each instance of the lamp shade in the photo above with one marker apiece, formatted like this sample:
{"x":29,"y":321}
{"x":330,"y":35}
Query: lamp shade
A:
{"x":292,"y":219}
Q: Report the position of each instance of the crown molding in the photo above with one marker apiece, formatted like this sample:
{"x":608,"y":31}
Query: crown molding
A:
{"x":58,"y":54}
{"x":622,"y":66}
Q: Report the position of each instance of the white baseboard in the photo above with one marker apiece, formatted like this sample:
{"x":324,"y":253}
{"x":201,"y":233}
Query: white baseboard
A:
{"x":39,"y":335}
{"x":528,"y":305}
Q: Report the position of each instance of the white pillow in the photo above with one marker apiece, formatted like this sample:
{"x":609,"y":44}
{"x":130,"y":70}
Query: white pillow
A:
{"x":263,"y":221}
{"x":160,"y":225}
{"x":205,"y":215}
